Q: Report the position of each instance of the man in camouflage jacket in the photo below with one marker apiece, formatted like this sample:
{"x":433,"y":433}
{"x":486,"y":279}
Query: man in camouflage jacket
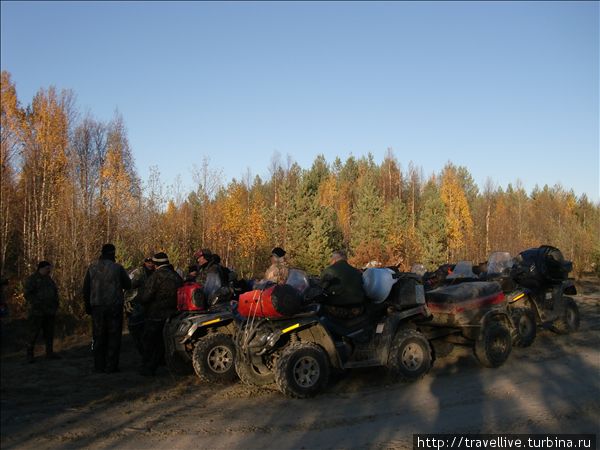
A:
{"x":278,"y":271}
{"x":133,"y":308}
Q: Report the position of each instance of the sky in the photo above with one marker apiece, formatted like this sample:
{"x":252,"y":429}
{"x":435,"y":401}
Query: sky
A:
{"x":508,"y":89}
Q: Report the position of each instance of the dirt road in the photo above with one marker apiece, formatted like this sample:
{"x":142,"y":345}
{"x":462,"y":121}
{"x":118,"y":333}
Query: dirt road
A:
{"x":553,"y":386}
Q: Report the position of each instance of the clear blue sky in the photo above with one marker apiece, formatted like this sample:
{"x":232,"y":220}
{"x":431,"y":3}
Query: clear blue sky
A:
{"x":509,"y":90}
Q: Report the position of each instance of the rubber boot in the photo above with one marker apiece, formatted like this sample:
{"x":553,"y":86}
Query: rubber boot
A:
{"x":50,"y":352}
{"x":30,"y":354}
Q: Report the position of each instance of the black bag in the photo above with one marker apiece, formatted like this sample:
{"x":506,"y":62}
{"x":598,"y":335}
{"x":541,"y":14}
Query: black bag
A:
{"x":286,"y":300}
{"x":406,"y":293}
{"x":538,"y":267}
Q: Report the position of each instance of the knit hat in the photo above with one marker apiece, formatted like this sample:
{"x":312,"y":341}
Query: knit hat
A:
{"x":278,"y":251}
{"x":43,"y":264}
{"x":108,"y":249}
{"x":160,"y":259}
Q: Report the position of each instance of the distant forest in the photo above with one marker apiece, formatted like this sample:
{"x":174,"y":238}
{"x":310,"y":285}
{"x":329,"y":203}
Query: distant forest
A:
{"x":69,"y":184}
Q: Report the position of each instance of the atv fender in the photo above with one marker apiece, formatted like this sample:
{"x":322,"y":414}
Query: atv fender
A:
{"x":527,"y":298}
{"x":316,"y":333}
{"x":497,"y":315}
{"x":520,"y":295}
{"x":224,"y":321}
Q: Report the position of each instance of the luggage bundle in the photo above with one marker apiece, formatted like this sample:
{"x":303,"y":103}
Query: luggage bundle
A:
{"x":275,"y":301}
{"x":537,"y":267}
{"x":190,"y":297}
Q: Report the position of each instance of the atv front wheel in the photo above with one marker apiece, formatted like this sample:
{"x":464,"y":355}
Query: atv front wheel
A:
{"x":214,"y":357}
{"x":302,"y":370}
{"x":525,"y":326}
{"x":410,"y":355}
{"x":569,"y":321}
{"x":493,"y":345}
{"x":252,"y":375}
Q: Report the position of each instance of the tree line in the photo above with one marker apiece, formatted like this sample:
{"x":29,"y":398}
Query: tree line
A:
{"x":69,"y":184}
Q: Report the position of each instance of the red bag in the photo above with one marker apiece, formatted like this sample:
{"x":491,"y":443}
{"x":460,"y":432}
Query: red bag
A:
{"x":258,"y":303}
{"x":190,"y":297}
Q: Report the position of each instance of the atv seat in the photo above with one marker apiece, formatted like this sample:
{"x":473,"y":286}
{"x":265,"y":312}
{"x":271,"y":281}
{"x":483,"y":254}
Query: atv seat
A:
{"x":462,"y":292}
{"x":346,"y":327}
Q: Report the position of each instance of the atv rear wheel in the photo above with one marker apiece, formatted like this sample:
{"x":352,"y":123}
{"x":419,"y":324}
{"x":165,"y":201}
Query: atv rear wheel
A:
{"x":494,"y":344}
{"x":525,"y":326}
{"x":410,"y":355}
{"x":302,"y":370}
{"x":214,"y":357}
{"x":569,"y":321}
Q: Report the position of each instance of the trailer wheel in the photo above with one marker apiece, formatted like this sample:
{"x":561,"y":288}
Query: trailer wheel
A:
{"x":525,"y":326}
{"x":569,"y":321}
{"x":302,"y":370}
{"x":410,"y":355}
{"x":493,"y":345}
{"x":214,"y":357}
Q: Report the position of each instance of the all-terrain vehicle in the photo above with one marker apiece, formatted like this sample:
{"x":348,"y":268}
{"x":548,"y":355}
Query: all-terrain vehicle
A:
{"x":200,"y":336}
{"x":396,"y":330}
{"x":537,"y":286}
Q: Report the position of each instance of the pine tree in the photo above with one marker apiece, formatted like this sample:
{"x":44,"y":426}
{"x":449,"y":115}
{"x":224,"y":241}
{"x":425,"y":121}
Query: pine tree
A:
{"x":368,"y":230}
{"x":432,"y":227}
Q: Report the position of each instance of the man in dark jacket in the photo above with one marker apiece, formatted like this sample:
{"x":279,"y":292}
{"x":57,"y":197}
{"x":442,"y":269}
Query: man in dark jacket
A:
{"x":42,"y":295}
{"x":133,"y":308}
{"x":159,"y":300}
{"x":103,"y":288}
{"x":343,"y":284}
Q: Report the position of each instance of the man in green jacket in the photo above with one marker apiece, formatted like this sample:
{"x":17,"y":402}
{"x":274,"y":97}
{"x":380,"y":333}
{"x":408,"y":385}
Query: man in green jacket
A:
{"x":343,"y":284}
{"x":42,"y":295}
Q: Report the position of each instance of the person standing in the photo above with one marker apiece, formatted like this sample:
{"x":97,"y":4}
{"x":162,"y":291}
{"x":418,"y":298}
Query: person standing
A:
{"x":103,"y":288}
{"x":133,"y":309}
{"x":42,"y":295}
{"x":159,"y":300}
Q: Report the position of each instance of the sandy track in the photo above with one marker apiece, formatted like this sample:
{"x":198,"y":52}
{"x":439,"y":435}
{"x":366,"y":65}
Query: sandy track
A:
{"x":553,"y":386}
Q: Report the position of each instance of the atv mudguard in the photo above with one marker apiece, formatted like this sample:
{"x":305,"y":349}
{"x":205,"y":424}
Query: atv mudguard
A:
{"x":497,"y":315}
{"x":220,"y":319}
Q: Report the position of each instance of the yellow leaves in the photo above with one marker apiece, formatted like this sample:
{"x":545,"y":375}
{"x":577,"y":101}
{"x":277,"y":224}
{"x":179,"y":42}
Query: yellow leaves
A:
{"x":244,"y":224}
{"x":458,"y":215}
{"x":116,"y":182}
{"x":328,"y":192}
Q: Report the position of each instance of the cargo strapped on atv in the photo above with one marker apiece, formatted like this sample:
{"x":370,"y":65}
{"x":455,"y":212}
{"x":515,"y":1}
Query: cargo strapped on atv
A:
{"x":536,"y":267}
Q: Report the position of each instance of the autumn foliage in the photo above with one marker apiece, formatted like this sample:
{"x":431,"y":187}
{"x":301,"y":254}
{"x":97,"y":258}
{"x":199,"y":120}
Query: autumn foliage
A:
{"x":69,"y":184}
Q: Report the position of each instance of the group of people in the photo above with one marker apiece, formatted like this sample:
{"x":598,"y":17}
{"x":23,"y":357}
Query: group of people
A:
{"x":148,"y":296}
